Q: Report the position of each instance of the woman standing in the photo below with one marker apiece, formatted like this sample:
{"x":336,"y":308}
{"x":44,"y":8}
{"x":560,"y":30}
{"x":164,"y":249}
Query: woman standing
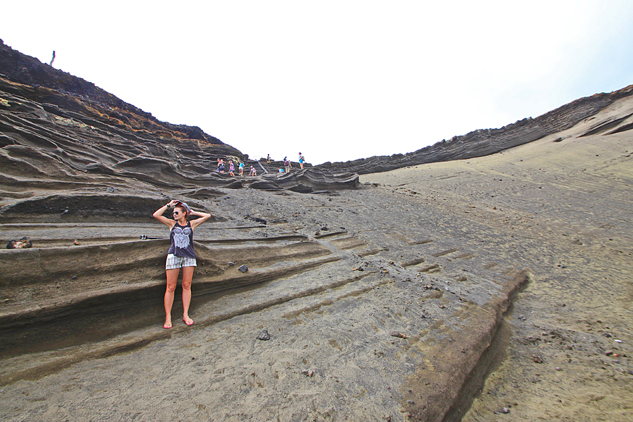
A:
{"x":180,"y":255}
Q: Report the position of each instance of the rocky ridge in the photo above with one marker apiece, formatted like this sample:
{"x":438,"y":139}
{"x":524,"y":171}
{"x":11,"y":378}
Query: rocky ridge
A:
{"x":28,"y":70}
{"x":484,"y":142}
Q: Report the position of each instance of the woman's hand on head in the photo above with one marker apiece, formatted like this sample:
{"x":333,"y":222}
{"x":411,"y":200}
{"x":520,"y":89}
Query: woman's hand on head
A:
{"x":158,"y":214}
{"x":202,"y":217}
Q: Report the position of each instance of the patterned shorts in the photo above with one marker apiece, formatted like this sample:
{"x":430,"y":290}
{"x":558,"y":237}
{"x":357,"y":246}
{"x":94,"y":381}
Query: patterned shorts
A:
{"x":175,"y":262}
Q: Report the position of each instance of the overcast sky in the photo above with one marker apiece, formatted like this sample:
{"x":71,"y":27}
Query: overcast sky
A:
{"x":336,"y":80}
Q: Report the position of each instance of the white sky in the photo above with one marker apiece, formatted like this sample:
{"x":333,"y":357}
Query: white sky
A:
{"x":337,"y":80}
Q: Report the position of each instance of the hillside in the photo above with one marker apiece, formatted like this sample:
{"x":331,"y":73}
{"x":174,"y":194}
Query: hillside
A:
{"x":484,"y":142}
{"x":493,"y":287}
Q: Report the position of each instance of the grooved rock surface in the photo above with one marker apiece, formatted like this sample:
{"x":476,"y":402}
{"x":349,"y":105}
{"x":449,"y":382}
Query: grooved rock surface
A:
{"x":508,"y":274}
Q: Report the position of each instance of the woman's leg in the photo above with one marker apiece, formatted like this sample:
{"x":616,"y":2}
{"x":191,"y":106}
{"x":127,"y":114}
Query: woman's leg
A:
{"x":187,"y":276}
{"x":172,"y":280}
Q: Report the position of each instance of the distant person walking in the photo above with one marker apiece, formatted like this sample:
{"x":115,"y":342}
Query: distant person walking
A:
{"x":180,"y":255}
{"x":53,"y":59}
{"x":231,"y":168}
{"x":268,"y":158}
{"x":253,"y":171}
{"x":301,"y":160}
{"x":287,"y":164}
{"x":241,"y":166}
{"x":220,"y":165}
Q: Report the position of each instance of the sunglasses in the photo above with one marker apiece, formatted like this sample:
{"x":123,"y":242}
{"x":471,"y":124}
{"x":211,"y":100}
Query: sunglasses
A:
{"x":184,"y":205}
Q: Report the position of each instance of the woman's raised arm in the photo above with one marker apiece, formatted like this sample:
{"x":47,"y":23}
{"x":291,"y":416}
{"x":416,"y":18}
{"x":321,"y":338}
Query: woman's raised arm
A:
{"x":158,"y":214}
{"x":202,"y":217}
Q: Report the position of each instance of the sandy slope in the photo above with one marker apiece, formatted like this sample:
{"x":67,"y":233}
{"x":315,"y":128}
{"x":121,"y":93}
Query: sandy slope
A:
{"x":564,"y":209}
{"x":323,"y":314}
{"x":444,"y":250}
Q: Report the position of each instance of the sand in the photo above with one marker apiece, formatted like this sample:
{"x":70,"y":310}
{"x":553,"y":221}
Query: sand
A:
{"x":495,"y":288}
{"x":563,"y":206}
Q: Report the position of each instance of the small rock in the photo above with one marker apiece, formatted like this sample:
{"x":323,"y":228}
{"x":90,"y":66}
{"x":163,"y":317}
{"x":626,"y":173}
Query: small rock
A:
{"x":231,"y":264}
{"x":609,"y":352}
{"x":397,"y":334}
{"x":410,"y":401}
{"x":23,"y":243}
{"x":263,"y":335}
{"x":308,"y":372}
{"x":243,"y":268}
{"x":76,"y":242}
{"x":537,"y":359}
{"x":324,"y":228}
{"x":505,"y":410}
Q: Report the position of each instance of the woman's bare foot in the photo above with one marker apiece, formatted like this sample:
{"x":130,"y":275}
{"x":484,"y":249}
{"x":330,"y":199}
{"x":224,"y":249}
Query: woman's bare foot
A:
{"x":187,"y":320}
{"x":167,"y":324}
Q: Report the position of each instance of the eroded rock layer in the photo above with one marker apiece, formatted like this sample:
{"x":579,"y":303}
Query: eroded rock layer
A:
{"x":489,"y":141}
{"x":384,"y":300}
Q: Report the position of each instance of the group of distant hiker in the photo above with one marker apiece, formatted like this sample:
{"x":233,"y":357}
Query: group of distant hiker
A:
{"x":287,"y":166}
{"x":222,"y":167}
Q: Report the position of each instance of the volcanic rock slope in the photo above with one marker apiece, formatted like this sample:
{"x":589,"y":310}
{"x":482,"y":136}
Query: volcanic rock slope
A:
{"x":382,"y":300}
{"x":484,"y":142}
{"x":559,"y":207}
